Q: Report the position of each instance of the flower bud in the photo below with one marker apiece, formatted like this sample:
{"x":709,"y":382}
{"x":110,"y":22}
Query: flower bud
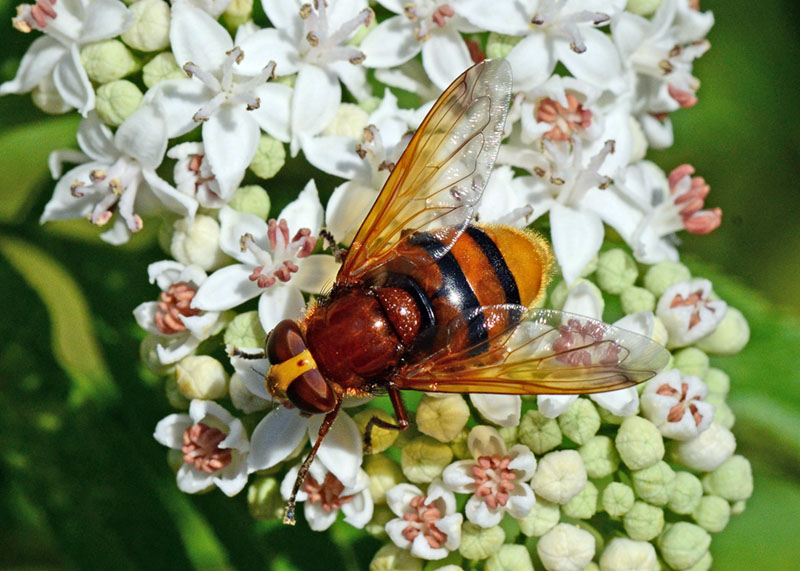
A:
{"x":510,"y":558}
{"x":692,"y":361}
{"x":264,"y":499}
{"x":643,"y":522}
{"x":382,"y":438}
{"x":175,"y":461}
{"x":384,"y":473}
{"x":584,"y":505}
{"x":201,"y":377}
{"x":580,"y":421}
{"x":738,"y":507}
{"x":712,"y":513}
{"x":643,"y":7}
{"x":150,"y":32}
{"x":237,"y":13}
{"x":542,"y":518}
{"x":480,"y":543}
{"x":718,"y":381}
{"x":442,"y":417}
{"x":392,"y":558}
{"x":639,"y":443}
{"x":559,"y":476}
{"x":500,"y":45}
{"x":197,"y":242}
{"x":566,"y":547}
{"x":635,"y":299}
{"x":704,"y":564}
{"x":662,"y":275}
{"x":116,"y":101}
{"x":161,"y":68}
{"x":708,"y":450}
{"x":509,"y":434}
{"x":617,"y":499}
{"x":459,"y":445}
{"x":730,"y":336}
{"x":376,"y":527}
{"x":600,"y":457}
{"x":559,"y":294}
{"x":538,"y":432}
{"x":242,"y":398}
{"x":245,"y":331}
{"x":107,"y":60}
{"x":424,"y":459}
{"x":252,"y":199}
{"x":269,"y":158}
{"x":683,"y":544}
{"x":655,"y":483}
{"x":148,"y":354}
{"x":733,"y":480}
{"x":722,"y":412}
{"x":175,"y":397}
{"x":686,"y":493}
{"x":616,"y":271}
{"x":350,"y":121}
{"x":370,"y":104}
{"x":623,"y":554}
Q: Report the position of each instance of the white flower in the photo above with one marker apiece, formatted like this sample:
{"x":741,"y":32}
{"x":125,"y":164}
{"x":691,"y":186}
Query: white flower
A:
{"x":180,"y":327}
{"x":324,"y":495}
{"x":67,"y":26}
{"x":426,"y":523}
{"x":708,"y":450}
{"x":566,"y":548}
{"x":675,"y":404}
{"x":688,"y":312}
{"x":119,"y":175}
{"x":214,"y":446}
{"x":193,"y":174}
{"x":497,"y":478}
{"x":274,"y":264}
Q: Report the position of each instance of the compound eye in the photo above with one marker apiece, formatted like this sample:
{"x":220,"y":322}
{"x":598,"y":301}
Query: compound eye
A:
{"x":285,"y":341}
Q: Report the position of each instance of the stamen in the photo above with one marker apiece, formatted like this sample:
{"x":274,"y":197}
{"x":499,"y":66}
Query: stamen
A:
{"x":201,"y":448}
{"x":174,"y":303}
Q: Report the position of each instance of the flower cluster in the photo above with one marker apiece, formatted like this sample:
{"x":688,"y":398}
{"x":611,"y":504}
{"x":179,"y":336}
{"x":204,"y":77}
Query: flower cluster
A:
{"x":191,"y":107}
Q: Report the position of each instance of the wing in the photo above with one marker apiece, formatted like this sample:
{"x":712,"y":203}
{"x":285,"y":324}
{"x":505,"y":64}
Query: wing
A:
{"x":443,"y":171}
{"x":550,"y":352}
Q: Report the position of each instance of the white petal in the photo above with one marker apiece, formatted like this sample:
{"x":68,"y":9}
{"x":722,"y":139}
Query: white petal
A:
{"x":532,"y":61}
{"x":176,"y":348}
{"x":503,"y":17}
{"x":118,"y":234}
{"x":144,"y":313}
{"x":521,"y":500}
{"x":503,"y":410}
{"x":226,"y":288}
{"x":459,"y":478}
{"x":106,"y":19}
{"x":480,"y":514}
{"x":36,"y":64}
{"x":642,"y":323}
{"x":445,"y":56}
{"x":252,"y":373}
{"x":584,"y":300}
{"x":359,"y":511}
{"x":354,"y":78}
{"x":340,"y":451}
{"x":193,"y":481}
{"x":179,"y":100}
{"x":143,"y":136}
{"x":274,"y":111}
{"x":72,"y":82}
{"x":198,"y":38}
{"x":305,"y":211}
{"x":316,"y":273}
{"x":275,"y":437}
{"x":598,"y":65}
{"x":235,"y":224}
{"x":63,"y":205}
{"x":624,"y":402}
{"x":347,"y":208}
{"x":577,"y":237}
{"x":169,"y":196}
{"x":96,"y":140}
{"x":318,"y":519}
{"x":199,"y":410}
{"x":282,"y":13}
{"x":279,"y":302}
{"x":234,"y":480}
{"x":265,"y":46}
{"x":230,"y":139}
{"x":334,"y":155}
{"x":394,"y":529}
{"x":391,"y":43}
{"x":422,"y":549}
{"x":522,"y":461}
{"x":169,"y":431}
{"x":552,"y":406}
{"x":316,"y":97}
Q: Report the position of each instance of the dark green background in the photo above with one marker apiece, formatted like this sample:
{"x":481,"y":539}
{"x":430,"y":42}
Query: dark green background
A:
{"x":82,"y":483}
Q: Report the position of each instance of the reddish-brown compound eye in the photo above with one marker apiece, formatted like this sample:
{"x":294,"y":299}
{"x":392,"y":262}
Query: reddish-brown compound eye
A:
{"x":284,"y":342}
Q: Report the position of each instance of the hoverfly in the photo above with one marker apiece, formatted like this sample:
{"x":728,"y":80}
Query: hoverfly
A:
{"x":426,"y":300}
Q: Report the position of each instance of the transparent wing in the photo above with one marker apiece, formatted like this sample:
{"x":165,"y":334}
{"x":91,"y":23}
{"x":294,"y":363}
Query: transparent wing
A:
{"x":443,"y":171}
{"x":549,"y":352}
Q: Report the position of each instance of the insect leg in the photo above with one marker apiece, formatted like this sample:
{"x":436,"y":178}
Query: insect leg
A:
{"x":288,"y":514}
{"x":399,"y":412}
{"x":236,"y":352}
{"x":338,"y":253}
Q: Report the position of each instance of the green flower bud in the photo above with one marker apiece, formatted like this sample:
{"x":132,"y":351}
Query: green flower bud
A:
{"x":559,"y":295}
{"x":175,"y":397}
{"x":712,"y":513}
{"x":197,"y":242}
{"x":662,"y":275}
{"x":107,"y":60}
{"x":733,"y":480}
{"x":692,"y":361}
{"x":639,"y":443}
{"x":509,"y":434}
{"x":708,"y":450}
{"x":580,"y":421}
{"x":655,"y":483}
{"x":722,"y":412}
{"x":480,"y":543}
{"x":616,"y":271}
{"x":442,"y":417}
{"x":382,"y":438}
{"x":686,"y":493}
{"x":718,"y":381}
{"x":643,"y":7}
{"x":201,"y":377}
{"x":460,"y":446}
{"x":538,"y":432}
{"x":738,"y":507}
{"x":683,"y":544}
{"x":175,"y":461}
{"x":566,"y":547}
{"x":392,"y":558}
{"x":349,"y":121}
{"x":600,"y":457}
{"x":47,"y":98}
{"x":730,"y":336}
{"x":510,"y":558}
{"x":617,"y":499}
{"x":559,"y":476}
{"x":242,"y":398}
{"x":237,"y":13}
{"x":500,"y":45}
{"x":150,"y":32}
{"x":623,"y":554}
{"x":643,"y":522}
{"x":264,"y":499}
{"x":542,"y":518}
{"x":584,"y":505}
{"x":635,"y":299}
{"x":116,"y":101}
{"x":376,"y":527}
{"x":424,"y":459}
{"x":370,"y":104}
{"x":269,"y":158}
{"x":704,"y":564}
{"x":609,"y":417}
{"x":384,"y":473}
{"x":148,"y":355}
{"x":161,"y":68}
{"x":252,"y":199}
{"x":245,"y":331}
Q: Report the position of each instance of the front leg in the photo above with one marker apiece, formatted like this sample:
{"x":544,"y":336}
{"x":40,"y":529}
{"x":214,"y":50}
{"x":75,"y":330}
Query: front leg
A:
{"x":399,"y":412}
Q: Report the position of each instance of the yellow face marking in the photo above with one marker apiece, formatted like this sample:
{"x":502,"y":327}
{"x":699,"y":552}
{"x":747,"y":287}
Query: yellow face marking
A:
{"x":281,"y":375}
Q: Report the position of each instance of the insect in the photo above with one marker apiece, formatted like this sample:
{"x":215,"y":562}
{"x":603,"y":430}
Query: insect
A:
{"x":425,"y":300}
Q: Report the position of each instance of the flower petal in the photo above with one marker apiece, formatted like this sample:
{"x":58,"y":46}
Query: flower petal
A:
{"x":278,"y":303}
{"x":226,"y":288}
{"x":340,"y":451}
{"x":169,"y":431}
{"x":391,"y":43}
{"x":305,"y":211}
{"x":36,"y":64}
{"x":480,"y":514}
{"x":445,"y":56}
{"x":230,"y":139}
{"x":577,"y":236}
{"x":106,"y":19}
{"x":315,"y":100}
{"x":532,"y":61}
{"x":72,"y":82}
{"x":503,"y":410}
{"x":268,"y":45}
{"x":198,"y":38}
{"x":274,"y":112}
{"x":316,"y":273}
{"x":275,"y":437}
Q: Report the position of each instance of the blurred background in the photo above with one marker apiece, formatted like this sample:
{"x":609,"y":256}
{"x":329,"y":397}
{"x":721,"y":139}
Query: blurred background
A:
{"x":83,"y":484}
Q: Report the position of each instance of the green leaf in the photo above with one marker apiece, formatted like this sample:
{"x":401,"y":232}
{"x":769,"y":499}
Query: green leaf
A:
{"x":73,"y":340}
